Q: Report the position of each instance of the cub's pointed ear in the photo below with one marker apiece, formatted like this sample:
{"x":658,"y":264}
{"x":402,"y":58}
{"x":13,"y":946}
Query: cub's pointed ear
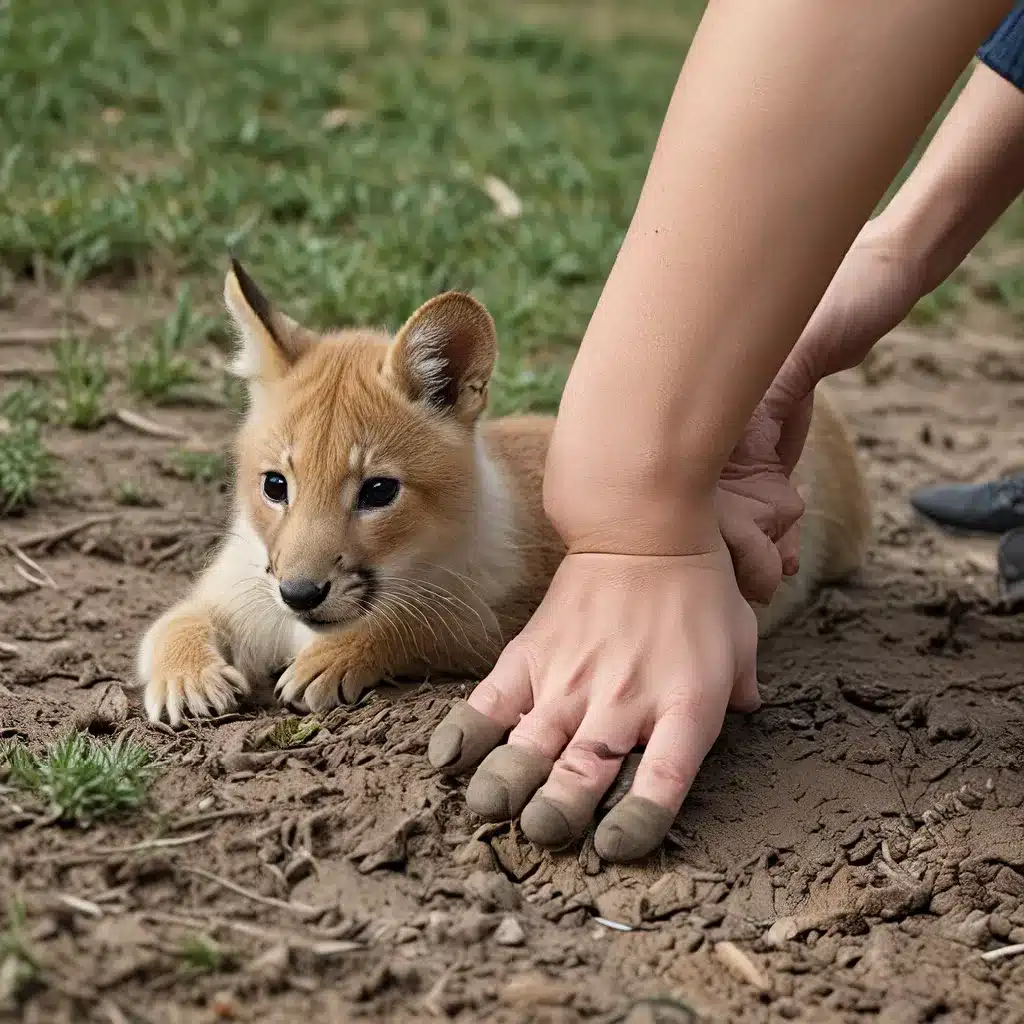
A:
{"x":445,"y":354}
{"x":269,"y":343}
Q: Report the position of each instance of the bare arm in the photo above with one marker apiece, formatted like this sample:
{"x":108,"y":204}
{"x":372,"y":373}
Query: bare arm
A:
{"x":789,"y":120}
{"x":969,"y":174}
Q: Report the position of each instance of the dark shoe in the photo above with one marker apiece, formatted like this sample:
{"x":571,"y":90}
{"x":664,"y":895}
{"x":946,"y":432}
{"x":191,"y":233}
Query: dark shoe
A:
{"x":992,"y":507}
{"x":1011,"y":565}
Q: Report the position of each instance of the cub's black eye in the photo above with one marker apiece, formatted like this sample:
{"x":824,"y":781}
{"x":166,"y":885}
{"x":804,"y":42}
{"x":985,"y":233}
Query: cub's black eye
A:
{"x":275,"y":488}
{"x":377,"y":492}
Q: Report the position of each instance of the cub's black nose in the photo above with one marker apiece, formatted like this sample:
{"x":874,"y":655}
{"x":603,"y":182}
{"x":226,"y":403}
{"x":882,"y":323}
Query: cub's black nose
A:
{"x":302,"y":594}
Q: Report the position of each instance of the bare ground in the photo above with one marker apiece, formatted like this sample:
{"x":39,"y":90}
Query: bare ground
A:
{"x":856,"y":845}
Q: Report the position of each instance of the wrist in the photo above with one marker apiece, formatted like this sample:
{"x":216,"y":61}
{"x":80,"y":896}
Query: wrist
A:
{"x":646,"y":507}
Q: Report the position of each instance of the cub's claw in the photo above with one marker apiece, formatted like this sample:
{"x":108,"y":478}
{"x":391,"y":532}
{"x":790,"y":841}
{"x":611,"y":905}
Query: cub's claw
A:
{"x":326,"y":673}
{"x":182,"y":670}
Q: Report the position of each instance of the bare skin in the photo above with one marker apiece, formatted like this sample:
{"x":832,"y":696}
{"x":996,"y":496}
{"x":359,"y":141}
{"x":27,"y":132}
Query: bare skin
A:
{"x":644,"y":636}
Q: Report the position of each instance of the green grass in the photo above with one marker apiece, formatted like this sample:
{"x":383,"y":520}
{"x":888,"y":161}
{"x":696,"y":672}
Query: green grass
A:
{"x":25,"y":465}
{"x":198,"y":466}
{"x":340,"y":151}
{"x":82,"y":382}
{"x":80,"y":778}
{"x":201,"y":955}
{"x":167,"y":365}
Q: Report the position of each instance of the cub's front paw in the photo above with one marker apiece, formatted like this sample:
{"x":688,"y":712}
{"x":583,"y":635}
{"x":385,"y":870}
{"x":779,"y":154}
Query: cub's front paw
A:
{"x":349,"y":664}
{"x":181,"y":667}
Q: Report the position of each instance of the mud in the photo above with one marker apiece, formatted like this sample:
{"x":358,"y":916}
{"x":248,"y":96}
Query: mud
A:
{"x":847,"y":853}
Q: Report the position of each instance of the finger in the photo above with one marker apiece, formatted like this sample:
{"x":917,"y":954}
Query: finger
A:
{"x":506,"y":779}
{"x":755,"y":558}
{"x":640,"y":821}
{"x":795,"y":427}
{"x":462,"y":739}
{"x":789,"y":550}
{"x":474,"y":727}
{"x":560,"y":812}
{"x":745,"y":697}
{"x":511,"y":774}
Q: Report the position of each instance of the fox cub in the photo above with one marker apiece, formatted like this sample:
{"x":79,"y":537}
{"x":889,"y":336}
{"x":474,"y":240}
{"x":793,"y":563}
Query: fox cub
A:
{"x":382,"y":529}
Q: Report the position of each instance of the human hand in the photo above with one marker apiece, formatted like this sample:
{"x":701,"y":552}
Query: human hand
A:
{"x":623,"y":650}
{"x":874,"y":289}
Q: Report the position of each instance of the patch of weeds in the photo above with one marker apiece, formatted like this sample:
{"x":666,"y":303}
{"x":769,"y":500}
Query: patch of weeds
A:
{"x":25,"y":465}
{"x":82,"y":379}
{"x":80,"y":778}
{"x":130,"y":494}
{"x":289,"y":732}
{"x":160,"y":373}
{"x":18,"y":967}
{"x":29,"y":402}
{"x":198,"y":466}
{"x":201,"y":955}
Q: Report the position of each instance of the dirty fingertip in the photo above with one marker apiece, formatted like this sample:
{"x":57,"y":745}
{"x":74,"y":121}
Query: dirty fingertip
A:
{"x":462,"y":739}
{"x":505,"y":781}
{"x":548,"y":824}
{"x":632,"y":829}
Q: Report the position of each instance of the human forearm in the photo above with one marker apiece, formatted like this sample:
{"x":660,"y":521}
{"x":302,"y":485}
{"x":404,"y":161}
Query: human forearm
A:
{"x":967,"y":177}
{"x":713,"y":283}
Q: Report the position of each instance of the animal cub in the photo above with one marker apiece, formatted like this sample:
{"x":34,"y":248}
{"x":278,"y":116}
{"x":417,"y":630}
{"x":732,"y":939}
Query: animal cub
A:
{"x":382,"y":529}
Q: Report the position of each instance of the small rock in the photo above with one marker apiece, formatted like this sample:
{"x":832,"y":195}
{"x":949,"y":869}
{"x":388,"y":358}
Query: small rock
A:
{"x":406,"y":934}
{"x":509,"y":932}
{"x":999,"y":926}
{"x":973,"y":931}
{"x":948,"y":727}
{"x":535,"y":990}
{"x":224,"y":1006}
{"x":472,"y":927}
{"x":492,"y":890}
{"x":1009,"y":881}
{"x":103,"y":714}
{"x":272,"y":966}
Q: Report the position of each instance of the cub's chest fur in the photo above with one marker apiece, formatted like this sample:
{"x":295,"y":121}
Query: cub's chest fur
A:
{"x":383,"y":528}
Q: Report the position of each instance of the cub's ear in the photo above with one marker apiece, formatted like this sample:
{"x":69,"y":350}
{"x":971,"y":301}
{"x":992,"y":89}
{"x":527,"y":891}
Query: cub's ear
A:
{"x":445,"y":354}
{"x":269,"y":342}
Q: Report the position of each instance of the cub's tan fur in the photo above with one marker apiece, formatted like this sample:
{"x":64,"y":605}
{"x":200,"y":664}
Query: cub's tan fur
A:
{"x":439,"y":579}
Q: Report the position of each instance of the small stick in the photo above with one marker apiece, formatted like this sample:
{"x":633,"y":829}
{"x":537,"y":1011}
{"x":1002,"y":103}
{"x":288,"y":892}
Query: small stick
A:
{"x":202,"y":819}
{"x":41,"y":573}
{"x":316,"y":946}
{"x":8,"y":651}
{"x":31,"y":336}
{"x":144,"y":425}
{"x":736,"y":961}
{"x":28,"y":577}
{"x":998,"y":954}
{"x":47,"y":538}
{"x":103,"y":852}
{"x":303,"y":909}
{"x":168,"y":552}
{"x":86,"y":907}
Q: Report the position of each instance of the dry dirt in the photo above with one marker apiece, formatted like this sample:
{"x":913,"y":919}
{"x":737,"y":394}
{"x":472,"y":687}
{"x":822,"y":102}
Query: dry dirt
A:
{"x":856,"y":845}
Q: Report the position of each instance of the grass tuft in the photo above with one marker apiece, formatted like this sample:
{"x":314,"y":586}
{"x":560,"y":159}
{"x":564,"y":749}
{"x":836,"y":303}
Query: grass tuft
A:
{"x":168,"y":366}
{"x":80,"y":778}
{"x":202,"y":955}
{"x":82,"y":380}
{"x":25,"y":465}
{"x":198,"y":466}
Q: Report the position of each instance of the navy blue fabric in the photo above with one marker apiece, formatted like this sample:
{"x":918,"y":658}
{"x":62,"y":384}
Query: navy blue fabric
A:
{"x":1003,"y":51}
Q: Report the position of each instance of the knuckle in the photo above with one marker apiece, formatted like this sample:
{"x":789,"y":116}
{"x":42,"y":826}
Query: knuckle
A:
{"x":666,"y":772}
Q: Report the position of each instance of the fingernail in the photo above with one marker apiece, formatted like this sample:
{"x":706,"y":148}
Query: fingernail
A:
{"x":506,"y":779}
{"x":445,"y":745}
{"x":462,"y":739}
{"x":545,"y":823}
{"x":632,"y":829}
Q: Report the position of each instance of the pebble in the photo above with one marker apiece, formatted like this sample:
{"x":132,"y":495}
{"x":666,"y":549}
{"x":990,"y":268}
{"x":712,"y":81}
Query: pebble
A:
{"x":509,"y":932}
